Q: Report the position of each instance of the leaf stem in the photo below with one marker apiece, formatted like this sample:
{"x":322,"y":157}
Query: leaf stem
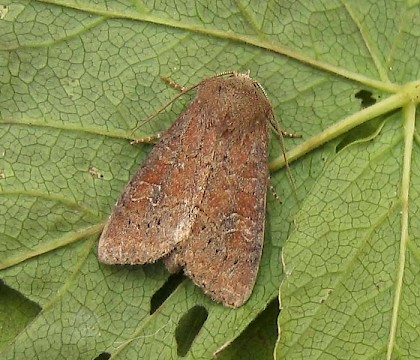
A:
{"x":50,"y":246}
{"x":369,"y":43}
{"x":391,"y":103}
{"x":410,"y":117}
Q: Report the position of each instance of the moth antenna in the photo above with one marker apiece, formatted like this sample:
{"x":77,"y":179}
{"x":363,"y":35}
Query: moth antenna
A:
{"x":274,"y":192}
{"x":275,"y":124}
{"x":263,"y":91}
{"x":150,"y":118}
{"x":224,"y":73}
{"x":238,"y":74}
{"x":173,"y":84}
{"x":184,"y":90}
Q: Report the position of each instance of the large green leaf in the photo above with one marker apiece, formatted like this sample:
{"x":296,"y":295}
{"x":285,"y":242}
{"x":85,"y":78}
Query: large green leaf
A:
{"x":76,"y":78}
{"x":352,"y":285}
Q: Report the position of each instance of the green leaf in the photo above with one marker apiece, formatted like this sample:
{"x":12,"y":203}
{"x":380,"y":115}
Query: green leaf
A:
{"x":76,"y":78}
{"x":352,"y":263}
{"x":16,"y":312}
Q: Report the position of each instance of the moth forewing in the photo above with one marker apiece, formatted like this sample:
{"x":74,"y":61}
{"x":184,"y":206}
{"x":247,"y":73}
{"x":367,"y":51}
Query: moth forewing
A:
{"x":199,"y":199}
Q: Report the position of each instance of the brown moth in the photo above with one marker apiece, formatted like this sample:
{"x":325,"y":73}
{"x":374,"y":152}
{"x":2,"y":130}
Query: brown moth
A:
{"x":199,"y":200}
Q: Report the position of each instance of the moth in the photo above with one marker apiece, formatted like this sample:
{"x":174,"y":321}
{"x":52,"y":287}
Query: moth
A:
{"x":199,"y":200}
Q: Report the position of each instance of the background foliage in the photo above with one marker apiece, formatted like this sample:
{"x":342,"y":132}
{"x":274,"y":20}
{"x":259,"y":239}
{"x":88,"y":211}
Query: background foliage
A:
{"x":77,"y":77}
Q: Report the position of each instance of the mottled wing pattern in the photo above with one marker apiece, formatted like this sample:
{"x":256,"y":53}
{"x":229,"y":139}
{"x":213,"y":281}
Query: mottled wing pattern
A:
{"x":223,"y":252}
{"x":160,"y":204}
